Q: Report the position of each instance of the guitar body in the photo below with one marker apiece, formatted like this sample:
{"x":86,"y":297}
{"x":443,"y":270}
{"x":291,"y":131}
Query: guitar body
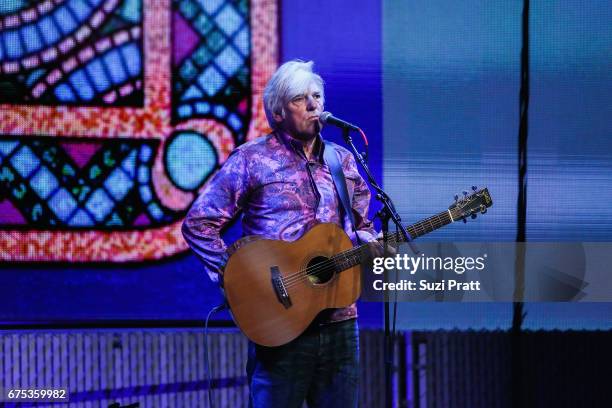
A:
{"x":254,"y":302}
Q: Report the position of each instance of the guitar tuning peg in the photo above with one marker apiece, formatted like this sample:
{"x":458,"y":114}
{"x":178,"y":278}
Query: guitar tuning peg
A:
{"x":474,"y":188}
{"x":456,"y":197}
{"x":465,"y":192}
{"x":464,"y":221}
{"x":473,"y":215}
{"x":483,"y":211}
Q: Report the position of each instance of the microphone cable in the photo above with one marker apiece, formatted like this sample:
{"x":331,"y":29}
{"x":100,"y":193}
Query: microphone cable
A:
{"x":215,"y":309}
{"x":363,"y":136}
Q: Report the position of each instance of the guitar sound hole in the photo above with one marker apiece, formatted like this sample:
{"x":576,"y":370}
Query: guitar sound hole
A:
{"x":320,"y":271}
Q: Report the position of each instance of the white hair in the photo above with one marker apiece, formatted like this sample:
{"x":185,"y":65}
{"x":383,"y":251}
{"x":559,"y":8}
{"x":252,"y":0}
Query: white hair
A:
{"x":290,"y":79}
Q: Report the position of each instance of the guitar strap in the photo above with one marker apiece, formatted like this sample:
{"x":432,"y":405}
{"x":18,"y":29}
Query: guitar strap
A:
{"x":331,"y":158}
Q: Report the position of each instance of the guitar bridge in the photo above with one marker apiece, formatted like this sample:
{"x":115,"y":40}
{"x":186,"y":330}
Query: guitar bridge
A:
{"x":279,"y":287}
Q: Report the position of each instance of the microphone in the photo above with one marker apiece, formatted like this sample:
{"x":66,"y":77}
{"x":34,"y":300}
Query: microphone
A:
{"x":328,"y":118}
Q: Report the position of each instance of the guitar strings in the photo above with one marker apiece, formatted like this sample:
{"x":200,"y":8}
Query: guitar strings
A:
{"x":440,"y":219}
{"x":331,"y":264}
{"x":291,"y":279}
{"x":436,"y":221}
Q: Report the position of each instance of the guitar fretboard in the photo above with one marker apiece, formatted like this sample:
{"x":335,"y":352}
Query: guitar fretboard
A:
{"x":348,"y":259}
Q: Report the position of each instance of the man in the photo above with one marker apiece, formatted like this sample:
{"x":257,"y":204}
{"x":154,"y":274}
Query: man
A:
{"x":283,"y":187}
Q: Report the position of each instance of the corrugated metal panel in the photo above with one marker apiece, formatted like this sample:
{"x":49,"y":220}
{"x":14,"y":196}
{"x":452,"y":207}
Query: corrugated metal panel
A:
{"x":462,"y":369}
{"x":473,"y":369}
{"x":156,"y":368}
{"x":372,"y":369}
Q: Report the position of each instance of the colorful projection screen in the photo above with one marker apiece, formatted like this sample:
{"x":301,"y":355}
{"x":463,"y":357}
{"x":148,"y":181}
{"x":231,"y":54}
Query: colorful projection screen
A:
{"x":116,"y":112}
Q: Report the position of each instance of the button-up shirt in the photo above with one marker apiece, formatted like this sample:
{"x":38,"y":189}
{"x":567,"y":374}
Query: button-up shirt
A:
{"x":281,"y":193}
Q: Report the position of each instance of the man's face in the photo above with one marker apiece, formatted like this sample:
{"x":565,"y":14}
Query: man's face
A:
{"x":301,"y":114}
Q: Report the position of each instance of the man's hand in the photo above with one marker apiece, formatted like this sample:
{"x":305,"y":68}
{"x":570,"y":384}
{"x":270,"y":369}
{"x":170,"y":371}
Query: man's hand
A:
{"x":376,"y":248}
{"x":391,"y":249}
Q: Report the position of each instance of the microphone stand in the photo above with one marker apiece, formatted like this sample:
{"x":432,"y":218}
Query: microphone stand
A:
{"x":386,"y":213}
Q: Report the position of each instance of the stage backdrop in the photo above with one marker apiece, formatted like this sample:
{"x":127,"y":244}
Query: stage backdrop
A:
{"x":114,"y":113}
{"x":451,"y":78}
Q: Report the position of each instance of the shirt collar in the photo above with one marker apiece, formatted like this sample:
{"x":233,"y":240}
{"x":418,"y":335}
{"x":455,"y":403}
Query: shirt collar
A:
{"x":296,"y":145}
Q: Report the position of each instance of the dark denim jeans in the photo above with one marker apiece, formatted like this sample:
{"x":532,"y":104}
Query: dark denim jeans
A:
{"x":321,"y":366}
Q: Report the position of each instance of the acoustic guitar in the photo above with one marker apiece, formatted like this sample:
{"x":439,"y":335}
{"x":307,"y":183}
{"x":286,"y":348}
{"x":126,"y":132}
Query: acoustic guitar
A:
{"x":275,"y":289}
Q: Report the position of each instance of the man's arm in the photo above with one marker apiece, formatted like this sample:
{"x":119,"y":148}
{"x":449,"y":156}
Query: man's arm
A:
{"x":220,"y":201}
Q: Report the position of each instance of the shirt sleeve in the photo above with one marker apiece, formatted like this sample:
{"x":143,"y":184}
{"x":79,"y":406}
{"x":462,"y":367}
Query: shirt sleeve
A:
{"x":360,"y":200}
{"x":218,"y":204}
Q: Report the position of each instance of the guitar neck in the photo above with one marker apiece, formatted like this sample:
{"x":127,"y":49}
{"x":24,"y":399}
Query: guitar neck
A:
{"x":422,"y":227}
{"x":469,"y":205}
{"x":355,"y":256}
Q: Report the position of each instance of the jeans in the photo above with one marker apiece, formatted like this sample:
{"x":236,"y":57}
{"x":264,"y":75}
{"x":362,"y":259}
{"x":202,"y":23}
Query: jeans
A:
{"x":321,"y":366}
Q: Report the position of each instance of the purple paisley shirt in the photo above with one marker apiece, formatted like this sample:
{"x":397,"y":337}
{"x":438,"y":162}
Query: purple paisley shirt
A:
{"x":282,"y":195}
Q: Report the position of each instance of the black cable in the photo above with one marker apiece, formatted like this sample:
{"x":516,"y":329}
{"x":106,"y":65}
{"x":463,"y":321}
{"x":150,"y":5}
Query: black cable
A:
{"x":215,"y":309}
{"x":518,"y":314}
{"x":521,"y":205}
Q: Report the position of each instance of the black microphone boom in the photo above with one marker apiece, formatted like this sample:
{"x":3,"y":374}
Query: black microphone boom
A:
{"x":328,"y":118}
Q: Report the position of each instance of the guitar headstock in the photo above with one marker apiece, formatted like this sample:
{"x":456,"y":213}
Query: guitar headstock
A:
{"x":471,"y":204}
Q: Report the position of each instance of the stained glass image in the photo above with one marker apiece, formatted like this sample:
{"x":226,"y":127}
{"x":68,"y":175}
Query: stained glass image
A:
{"x":72,"y":52}
{"x":78,"y":184}
{"x":211,"y":68}
{"x":115,"y":113}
